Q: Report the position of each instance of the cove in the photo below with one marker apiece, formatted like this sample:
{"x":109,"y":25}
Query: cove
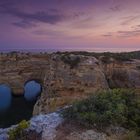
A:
{"x":32,"y":90}
{"x":5,"y":97}
{"x":18,"y":108}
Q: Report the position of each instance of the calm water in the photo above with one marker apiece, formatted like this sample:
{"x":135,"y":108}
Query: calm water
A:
{"x":14,"y":109}
{"x":32,"y":90}
{"x":5,"y":97}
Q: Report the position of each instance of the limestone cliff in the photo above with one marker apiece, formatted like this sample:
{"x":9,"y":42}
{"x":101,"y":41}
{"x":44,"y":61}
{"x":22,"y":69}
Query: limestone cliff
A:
{"x":122,"y":74}
{"x":66,"y":83}
{"x":65,"y":77}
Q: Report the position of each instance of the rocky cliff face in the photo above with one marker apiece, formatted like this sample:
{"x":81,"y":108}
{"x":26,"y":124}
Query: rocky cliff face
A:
{"x":65,"y":77}
{"x":16,"y":69}
{"x":67,"y":82}
{"x":124,"y":74}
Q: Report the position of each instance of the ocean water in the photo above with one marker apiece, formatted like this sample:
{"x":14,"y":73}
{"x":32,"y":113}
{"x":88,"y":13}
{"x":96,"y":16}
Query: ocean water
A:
{"x":32,"y":90}
{"x":5,"y":97}
{"x":13,"y":109}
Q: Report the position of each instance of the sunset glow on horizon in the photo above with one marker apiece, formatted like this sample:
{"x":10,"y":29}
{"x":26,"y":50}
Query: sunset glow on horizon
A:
{"x":92,"y":25}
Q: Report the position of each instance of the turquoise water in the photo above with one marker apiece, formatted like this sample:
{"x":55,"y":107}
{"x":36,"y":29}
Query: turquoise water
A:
{"x":32,"y":90}
{"x":5,"y":97}
{"x":13,"y":109}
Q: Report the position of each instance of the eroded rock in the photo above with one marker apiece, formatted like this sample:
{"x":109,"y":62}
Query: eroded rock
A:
{"x":63,"y":80}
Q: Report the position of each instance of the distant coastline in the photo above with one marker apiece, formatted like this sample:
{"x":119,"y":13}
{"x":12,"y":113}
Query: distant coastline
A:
{"x":61,"y":50}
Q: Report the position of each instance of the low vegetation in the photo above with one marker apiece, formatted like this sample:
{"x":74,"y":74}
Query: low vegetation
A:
{"x":71,"y":61}
{"x":138,"y":67}
{"x":18,"y":133}
{"x":119,"y":107}
{"x":131,"y":135}
{"x":124,"y":56}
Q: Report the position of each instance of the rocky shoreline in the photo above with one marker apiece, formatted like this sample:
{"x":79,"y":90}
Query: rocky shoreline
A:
{"x":66,"y":77}
{"x":44,"y":124}
{"x":53,"y":127}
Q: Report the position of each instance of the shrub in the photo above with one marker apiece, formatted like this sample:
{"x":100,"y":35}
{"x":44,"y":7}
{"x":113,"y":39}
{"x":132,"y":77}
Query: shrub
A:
{"x":138,"y":67}
{"x":71,"y":61}
{"x":130,"y":136}
{"x":18,"y":132}
{"x":118,"y":107}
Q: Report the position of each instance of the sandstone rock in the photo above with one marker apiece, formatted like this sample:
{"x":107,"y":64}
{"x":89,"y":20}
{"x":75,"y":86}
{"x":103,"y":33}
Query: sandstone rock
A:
{"x":123,"y":74}
{"x":62,"y":83}
{"x":43,"y":125}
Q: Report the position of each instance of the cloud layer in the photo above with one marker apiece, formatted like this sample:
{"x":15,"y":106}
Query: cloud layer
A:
{"x":93,"y":23}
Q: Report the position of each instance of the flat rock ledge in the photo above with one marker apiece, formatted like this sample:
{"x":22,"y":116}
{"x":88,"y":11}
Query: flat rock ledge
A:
{"x":87,"y":135}
{"x":45,"y":124}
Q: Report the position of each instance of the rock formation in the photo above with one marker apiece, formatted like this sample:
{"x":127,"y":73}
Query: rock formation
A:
{"x":65,"y":77}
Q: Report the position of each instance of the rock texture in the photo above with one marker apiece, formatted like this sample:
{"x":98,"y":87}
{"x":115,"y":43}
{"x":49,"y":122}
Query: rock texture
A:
{"x":123,"y":74}
{"x":70,"y":130}
{"x":53,"y":127}
{"x":65,"y":77}
{"x":16,"y":69}
{"x":87,"y":135}
{"x":45,"y":125}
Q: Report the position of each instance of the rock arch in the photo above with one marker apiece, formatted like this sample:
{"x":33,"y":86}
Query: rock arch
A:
{"x":60,"y":82}
{"x":16,"y":75}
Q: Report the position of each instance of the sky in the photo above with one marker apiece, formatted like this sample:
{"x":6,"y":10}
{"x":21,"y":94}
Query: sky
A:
{"x":89,"y":25}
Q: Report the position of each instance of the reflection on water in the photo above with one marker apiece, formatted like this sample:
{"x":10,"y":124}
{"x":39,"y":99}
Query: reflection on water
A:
{"x":32,"y":90}
{"x":5,"y":97}
{"x":17,"y":108}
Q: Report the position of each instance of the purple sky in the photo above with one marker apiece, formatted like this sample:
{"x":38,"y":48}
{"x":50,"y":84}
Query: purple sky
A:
{"x":92,"y":25}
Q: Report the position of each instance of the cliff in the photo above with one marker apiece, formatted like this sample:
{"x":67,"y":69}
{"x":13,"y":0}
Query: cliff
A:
{"x":66,"y":77}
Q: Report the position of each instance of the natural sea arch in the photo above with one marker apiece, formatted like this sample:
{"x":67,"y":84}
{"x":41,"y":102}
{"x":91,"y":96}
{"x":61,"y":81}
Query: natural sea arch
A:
{"x":32,"y":90}
{"x":18,"y":107}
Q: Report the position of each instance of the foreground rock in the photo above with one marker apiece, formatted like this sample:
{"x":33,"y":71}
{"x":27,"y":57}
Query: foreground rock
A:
{"x":42,"y":124}
{"x":46,"y":124}
{"x":70,"y":130}
{"x":87,"y":135}
{"x":53,"y":127}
